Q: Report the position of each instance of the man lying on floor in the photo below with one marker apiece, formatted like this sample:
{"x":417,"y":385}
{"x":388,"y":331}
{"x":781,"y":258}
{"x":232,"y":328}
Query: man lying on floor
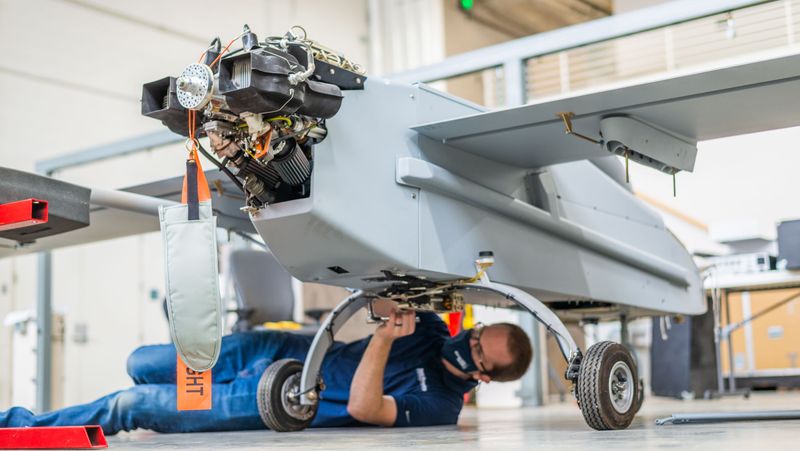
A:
{"x":405,"y":374}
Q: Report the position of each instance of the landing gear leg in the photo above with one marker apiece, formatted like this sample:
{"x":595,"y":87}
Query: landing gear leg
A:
{"x":288,"y":393}
{"x":606,"y":381}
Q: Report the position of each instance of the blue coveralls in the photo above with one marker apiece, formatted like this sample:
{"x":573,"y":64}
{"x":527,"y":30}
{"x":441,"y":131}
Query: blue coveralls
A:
{"x":425,"y":392}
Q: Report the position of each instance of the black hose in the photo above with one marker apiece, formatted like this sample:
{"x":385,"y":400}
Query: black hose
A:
{"x":221,"y":167}
{"x":251,"y":239}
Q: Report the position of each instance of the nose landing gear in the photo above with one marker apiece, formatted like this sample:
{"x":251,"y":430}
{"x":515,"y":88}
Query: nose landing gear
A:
{"x":279,"y":398}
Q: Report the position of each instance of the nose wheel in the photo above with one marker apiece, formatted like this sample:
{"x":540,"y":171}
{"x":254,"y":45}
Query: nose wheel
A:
{"x":279,"y":400}
{"x":608,"y":388}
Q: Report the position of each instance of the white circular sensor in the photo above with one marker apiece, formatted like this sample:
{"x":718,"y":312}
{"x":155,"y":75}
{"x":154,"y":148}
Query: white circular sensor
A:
{"x":194,"y":86}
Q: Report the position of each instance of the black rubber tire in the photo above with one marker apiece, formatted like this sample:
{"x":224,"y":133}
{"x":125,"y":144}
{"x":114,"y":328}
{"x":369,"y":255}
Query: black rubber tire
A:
{"x":640,"y":397}
{"x":271,"y":395}
{"x":592,"y":389}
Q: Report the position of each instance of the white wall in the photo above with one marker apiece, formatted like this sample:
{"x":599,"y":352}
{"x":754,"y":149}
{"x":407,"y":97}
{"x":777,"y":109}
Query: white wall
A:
{"x":17,"y":289}
{"x":405,"y":34}
{"x":70,"y":78}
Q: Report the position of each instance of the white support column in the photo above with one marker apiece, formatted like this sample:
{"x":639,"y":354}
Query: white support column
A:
{"x":669,"y":48}
{"x":563,"y":70}
{"x":514,"y":80}
{"x":44,"y":322}
{"x":787,"y":10}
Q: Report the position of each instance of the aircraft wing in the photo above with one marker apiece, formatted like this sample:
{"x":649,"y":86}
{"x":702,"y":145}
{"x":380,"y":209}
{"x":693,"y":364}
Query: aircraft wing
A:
{"x":689,"y":106}
{"x":131,"y":211}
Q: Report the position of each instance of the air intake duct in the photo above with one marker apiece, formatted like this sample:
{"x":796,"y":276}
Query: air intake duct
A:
{"x":292,"y":165}
{"x":266,"y":172}
{"x":160,"y":101}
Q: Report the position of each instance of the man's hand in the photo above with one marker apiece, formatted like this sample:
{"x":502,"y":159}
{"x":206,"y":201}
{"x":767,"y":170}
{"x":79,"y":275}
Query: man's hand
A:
{"x":400,"y":324}
{"x":367,"y":402}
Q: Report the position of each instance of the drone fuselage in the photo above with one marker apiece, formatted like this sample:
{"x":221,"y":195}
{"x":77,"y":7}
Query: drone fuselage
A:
{"x":386,"y":200}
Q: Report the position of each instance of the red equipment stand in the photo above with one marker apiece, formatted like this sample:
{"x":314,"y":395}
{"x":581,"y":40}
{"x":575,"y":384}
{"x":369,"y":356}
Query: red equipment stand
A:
{"x":61,"y":437}
{"x":23,"y":213}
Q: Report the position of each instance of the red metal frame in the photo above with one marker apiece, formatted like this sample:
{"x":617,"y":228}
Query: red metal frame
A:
{"x":60,"y":437}
{"x":23,"y":213}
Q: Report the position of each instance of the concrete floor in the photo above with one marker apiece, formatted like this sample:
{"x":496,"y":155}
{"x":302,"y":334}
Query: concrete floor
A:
{"x":554,"y":426}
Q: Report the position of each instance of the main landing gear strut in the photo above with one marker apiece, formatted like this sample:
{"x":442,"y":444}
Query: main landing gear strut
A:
{"x":605,"y":377}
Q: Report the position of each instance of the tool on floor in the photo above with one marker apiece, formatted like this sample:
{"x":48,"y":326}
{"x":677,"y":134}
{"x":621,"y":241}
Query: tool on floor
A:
{"x":59,"y":437}
{"x":725,"y":417}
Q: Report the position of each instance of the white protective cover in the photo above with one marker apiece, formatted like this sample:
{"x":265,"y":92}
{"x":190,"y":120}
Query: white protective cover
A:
{"x":192,"y":284}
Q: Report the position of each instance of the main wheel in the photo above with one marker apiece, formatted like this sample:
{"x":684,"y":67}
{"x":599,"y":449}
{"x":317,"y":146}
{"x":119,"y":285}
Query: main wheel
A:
{"x":640,"y":398}
{"x":278,"y":403}
{"x":608,"y":386}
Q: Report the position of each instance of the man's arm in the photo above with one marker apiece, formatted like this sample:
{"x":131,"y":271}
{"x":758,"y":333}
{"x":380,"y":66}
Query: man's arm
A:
{"x":367,"y":402}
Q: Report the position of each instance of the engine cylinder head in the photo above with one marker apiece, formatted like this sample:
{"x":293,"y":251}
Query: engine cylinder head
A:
{"x":241,"y":73}
{"x":293,"y":166}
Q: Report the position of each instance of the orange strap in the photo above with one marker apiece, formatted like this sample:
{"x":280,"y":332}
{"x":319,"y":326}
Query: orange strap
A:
{"x":203,"y":192}
{"x":194,"y":389}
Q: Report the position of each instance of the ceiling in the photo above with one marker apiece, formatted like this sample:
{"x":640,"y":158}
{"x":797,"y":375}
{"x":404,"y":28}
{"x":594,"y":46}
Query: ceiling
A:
{"x":518,"y":18}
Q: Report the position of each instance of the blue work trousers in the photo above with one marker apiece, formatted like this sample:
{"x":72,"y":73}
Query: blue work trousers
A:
{"x":151,"y":403}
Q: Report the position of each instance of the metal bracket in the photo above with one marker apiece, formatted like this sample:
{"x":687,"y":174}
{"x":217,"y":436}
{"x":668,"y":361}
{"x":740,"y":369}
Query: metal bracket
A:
{"x":567,"y":116}
{"x":574,"y":366}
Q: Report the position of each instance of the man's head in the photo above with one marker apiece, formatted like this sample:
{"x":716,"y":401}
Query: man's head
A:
{"x":500,"y":352}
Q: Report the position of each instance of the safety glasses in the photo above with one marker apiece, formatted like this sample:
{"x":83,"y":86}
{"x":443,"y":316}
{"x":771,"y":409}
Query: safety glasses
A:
{"x":477,"y":331}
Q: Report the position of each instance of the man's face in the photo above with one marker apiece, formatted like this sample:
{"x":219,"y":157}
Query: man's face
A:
{"x":489,"y":351}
